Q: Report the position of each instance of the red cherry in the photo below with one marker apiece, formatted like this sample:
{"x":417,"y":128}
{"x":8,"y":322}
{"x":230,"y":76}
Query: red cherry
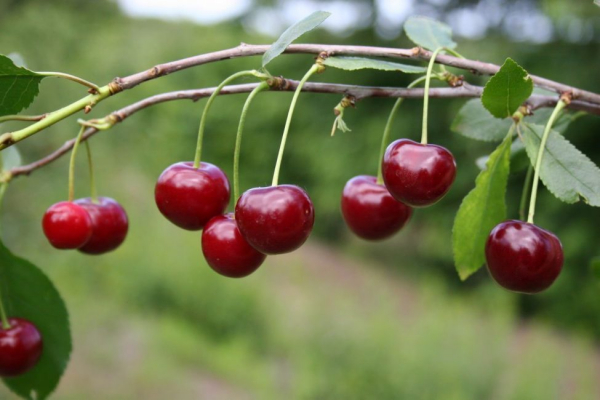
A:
{"x":523,"y":257}
{"x":189,"y":197}
{"x":67,"y":225}
{"x":418,"y":174}
{"x":275,"y":219}
{"x":226,"y":250}
{"x":20,"y":347}
{"x":109,"y":225}
{"x":370,"y":210}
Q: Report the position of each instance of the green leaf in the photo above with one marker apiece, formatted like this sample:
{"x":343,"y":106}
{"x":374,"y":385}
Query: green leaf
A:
{"x":18,"y":87}
{"x":428,"y":33}
{"x":507,"y":90}
{"x":29,"y":294}
{"x":473,"y":121}
{"x":595,"y":267}
{"x":356,"y":63}
{"x":292,"y":33}
{"x":561,"y":124}
{"x":567,"y":173}
{"x":518,"y":158}
{"x":11,"y":158}
{"x":482,"y":209}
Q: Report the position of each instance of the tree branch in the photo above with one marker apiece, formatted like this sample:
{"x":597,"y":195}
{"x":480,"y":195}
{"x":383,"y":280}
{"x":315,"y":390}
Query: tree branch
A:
{"x":358,"y":92}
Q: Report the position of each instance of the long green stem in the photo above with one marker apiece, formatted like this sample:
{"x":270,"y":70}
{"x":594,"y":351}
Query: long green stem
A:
{"x":71,"y":78}
{"x":93,"y":192}
{"x":238,"y":139}
{"x":72,"y":164}
{"x":525,"y":194}
{"x":540,"y":155}
{"x":3,"y":318}
{"x":426,"y":93}
{"x":388,"y":127}
{"x":454,"y":52}
{"x":288,"y":121}
{"x":22,"y":118}
{"x":207,"y":107}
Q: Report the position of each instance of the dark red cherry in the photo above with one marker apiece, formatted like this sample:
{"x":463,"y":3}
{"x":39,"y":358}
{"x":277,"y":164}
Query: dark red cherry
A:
{"x":67,"y":225}
{"x":370,"y":210}
{"x":189,"y":197}
{"x":523,"y":257}
{"x":109,"y":225}
{"x":226,"y":250}
{"x":418,"y":174}
{"x":20,"y":347}
{"x":275,"y":219}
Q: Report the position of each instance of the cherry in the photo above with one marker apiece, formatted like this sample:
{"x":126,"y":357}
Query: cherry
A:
{"x":20,"y":347}
{"x":275,"y":219}
{"x":370,"y":210}
{"x":189,"y":197}
{"x":67,"y":225}
{"x":523,"y":257}
{"x":418,"y":174}
{"x":109,"y":225}
{"x":226,"y":250}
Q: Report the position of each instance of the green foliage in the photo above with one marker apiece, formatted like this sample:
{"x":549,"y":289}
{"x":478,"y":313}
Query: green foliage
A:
{"x":567,"y":173}
{"x":428,"y":33}
{"x":29,"y":294}
{"x":474,"y":122}
{"x":292,"y":33}
{"x":507,"y":90}
{"x":356,"y":63}
{"x":482,"y":209}
{"x":18,"y":87}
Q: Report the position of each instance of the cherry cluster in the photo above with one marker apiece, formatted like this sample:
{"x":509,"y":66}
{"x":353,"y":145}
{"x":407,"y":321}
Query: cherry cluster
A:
{"x":269,"y":220}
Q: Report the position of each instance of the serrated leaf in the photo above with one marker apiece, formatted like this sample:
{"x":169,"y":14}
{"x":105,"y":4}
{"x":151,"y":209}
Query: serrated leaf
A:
{"x":356,"y":63}
{"x":540,"y":117}
{"x":518,"y":158}
{"x":507,"y":90}
{"x":18,"y":87}
{"x":566,"y":172}
{"x":17,"y":59}
{"x":292,"y":33}
{"x":428,"y":33}
{"x":29,"y":294}
{"x":482,"y":209}
{"x":473,"y":121}
{"x":11,"y":158}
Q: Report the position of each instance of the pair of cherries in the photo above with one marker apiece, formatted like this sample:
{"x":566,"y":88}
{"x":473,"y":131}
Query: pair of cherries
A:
{"x":21,"y":347}
{"x":520,"y":256}
{"x":267,"y":221}
{"x":92,"y":227}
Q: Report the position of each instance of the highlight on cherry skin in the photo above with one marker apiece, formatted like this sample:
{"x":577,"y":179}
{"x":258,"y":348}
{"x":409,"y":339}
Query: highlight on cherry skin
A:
{"x":275,"y":219}
{"x":369,"y":209}
{"x":226,"y":250}
{"x":189,"y":197}
{"x":109,"y":225}
{"x":523,"y":257}
{"x":67,"y":225}
{"x":416,"y":174}
{"x":21,"y":347}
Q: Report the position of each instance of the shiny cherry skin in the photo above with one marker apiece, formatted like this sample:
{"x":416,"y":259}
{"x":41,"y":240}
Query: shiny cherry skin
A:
{"x":189,"y":197}
{"x":275,"y":219}
{"x":109,"y":225}
{"x":523,"y":257}
{"x":370,"y":211}
{"x":226,"y":250}
{"x":418,"y":174}
{"x":67,"y":225}
{"x":20,"y":347}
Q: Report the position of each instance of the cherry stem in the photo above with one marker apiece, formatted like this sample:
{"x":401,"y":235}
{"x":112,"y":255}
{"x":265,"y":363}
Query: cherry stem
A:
{"x":72,"y":165}
{"x":73,"y":78}
{"x":3,"y":318}
{"x":288,"y":121}
{"x":22,"y":118}
{"x":454,"y":53}
{"x":525,"y":195}
{"x":238,"y":139}
{"x":388,"y":128}
{"x":209,"y":103}
{"x":540,"y":155}
{"x":93,"y":192}
{"x":426,"y":93}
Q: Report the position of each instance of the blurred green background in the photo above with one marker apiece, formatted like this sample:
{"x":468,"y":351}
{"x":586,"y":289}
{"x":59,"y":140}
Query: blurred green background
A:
{"x":340,"y":318}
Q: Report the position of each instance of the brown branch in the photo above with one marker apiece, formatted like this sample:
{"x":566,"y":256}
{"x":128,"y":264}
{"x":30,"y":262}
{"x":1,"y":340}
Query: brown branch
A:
{"x":358,"y":92}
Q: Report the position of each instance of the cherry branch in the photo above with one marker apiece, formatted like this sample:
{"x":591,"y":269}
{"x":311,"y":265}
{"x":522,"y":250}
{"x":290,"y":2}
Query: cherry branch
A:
{"x":246,"y":50}
{"x":280,"y":84}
